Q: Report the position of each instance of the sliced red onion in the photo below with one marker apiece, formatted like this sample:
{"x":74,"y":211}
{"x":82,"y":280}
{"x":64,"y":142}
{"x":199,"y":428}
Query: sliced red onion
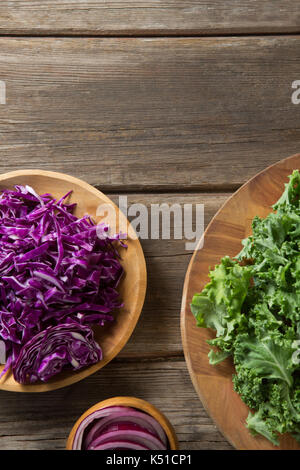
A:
{"x":121,"y":445}
{"x":128,"y":431}
{"x":126,"y":415}
{"x":98,"y":414}
{"x":119,"y":423}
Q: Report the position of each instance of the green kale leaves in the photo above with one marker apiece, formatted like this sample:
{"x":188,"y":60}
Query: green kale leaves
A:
{"x":253,"y":303}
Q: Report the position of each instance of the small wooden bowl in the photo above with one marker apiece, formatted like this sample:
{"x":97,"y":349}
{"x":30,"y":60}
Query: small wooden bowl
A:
{"x":133,"y":402}
{"x":112,"y":337}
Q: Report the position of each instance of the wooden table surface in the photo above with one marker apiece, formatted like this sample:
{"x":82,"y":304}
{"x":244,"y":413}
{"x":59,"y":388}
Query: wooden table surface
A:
{"x":162,"y":101}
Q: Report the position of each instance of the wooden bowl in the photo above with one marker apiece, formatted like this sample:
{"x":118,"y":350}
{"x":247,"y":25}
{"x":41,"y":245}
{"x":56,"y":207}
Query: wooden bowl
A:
{"x":112,"y":337}
{"x":133,"y":402}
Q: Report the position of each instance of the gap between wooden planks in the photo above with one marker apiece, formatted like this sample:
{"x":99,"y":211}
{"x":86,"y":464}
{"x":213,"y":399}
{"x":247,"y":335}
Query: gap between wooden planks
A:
{"x":168,"y":114}
{"x":146,"y":17}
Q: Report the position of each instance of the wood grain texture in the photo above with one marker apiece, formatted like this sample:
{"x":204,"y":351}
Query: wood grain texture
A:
{"x":132,"y":288}
{"x":111,"y":17}
{"x":167,"y":262}
{"x":223,"y":237}
{"x":43,"y":421}
{"x":165,"y":114}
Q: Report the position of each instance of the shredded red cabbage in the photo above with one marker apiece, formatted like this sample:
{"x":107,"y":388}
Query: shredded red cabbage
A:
{"x":58,"y":276}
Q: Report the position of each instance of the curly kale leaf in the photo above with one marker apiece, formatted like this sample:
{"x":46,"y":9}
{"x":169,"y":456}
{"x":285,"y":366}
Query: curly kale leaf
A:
{"x":257,"y":424}
{"x":291,"y":194}
{"x":250,"y":386}
{"x":219,"y":305}
{"x":276,"y":416}
{"x":269,"y":360}
{"x":253,"y":304}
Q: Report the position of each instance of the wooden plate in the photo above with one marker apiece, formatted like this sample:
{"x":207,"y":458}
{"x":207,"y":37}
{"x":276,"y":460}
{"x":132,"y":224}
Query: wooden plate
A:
{"x":112,"y":337}
{"x":223,"y":237}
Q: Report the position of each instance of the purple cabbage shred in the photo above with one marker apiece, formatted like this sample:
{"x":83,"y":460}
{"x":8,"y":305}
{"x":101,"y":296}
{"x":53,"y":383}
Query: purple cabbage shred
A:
{"x":58,"y":276}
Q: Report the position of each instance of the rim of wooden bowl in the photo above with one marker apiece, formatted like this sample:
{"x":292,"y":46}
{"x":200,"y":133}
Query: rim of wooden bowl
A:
{"x":132,"y":402}
{"x":66,"y":378}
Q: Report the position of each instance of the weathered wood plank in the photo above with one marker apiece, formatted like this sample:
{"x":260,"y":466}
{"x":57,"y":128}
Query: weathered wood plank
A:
{"x":167,"y":261}
{"x":109,"y":17}
{"x":149,"y":114}
{"x":43,"y":421}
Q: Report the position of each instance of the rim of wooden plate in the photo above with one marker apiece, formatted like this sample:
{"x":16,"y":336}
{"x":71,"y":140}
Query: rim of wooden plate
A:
{"x":185,"y":309}
{"x":139,"y":267}
{"x":132,"y":402}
